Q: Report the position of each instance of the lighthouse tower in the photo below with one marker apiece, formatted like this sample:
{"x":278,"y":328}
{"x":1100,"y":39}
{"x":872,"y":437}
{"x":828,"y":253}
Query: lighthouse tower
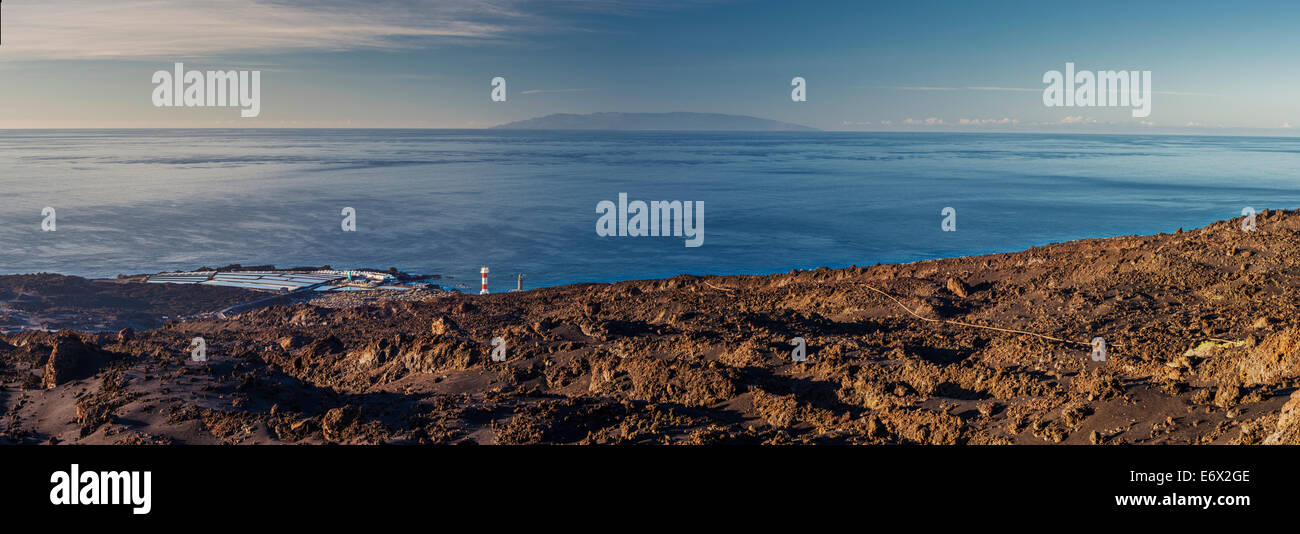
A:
{"x":484,"y":272}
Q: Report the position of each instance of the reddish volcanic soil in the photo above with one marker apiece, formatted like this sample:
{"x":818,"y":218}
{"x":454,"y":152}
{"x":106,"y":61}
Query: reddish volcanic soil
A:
{"x":1203,"y":346}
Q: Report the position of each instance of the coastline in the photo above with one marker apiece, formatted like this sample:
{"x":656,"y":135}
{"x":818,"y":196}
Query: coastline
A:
{"x":1199,"y":329}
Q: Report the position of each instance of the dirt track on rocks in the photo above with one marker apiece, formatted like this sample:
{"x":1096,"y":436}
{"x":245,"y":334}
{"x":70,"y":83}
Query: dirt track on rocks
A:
{"x":1203,"y":347}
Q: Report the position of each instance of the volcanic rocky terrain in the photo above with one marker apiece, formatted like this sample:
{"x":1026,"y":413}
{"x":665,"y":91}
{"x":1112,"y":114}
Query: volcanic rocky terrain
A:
{"x":1201,"y":330}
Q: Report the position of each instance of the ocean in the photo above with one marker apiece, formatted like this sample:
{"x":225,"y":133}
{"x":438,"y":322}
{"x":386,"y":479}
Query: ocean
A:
{"x":450,"y":201}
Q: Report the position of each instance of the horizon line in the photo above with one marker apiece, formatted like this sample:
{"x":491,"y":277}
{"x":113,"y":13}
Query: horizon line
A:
{"x":1226,"y":133}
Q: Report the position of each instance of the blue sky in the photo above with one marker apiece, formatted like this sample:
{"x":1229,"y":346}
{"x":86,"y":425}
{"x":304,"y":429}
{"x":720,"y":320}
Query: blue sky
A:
{"x":919,"y":65}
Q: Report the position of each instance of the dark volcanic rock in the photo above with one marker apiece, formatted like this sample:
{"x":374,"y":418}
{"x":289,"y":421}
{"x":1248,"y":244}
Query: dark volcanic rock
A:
{"x":72,"y":359}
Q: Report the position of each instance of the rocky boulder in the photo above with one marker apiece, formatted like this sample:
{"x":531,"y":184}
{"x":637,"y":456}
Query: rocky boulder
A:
{"x":72,"y":359}
{"x":1275,"y":358}
{"x":1288,"y":424}
{"x":957,"y":287}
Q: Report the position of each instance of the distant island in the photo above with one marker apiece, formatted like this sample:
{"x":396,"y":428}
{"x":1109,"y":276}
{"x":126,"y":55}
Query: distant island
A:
{"x":653,"y":121}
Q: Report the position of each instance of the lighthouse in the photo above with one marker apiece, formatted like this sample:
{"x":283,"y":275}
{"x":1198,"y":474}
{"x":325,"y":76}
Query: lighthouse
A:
{"x":484,"y":272}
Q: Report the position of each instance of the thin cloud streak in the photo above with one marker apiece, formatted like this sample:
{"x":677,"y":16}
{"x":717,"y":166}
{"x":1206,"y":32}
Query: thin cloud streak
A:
{"x":92,"y":29}
{"x":909,"y":87}
{"x":126,"y":29}
{"x":1014,"y":89}
{"x":541,"y":91}
{"x":1011,"y":89}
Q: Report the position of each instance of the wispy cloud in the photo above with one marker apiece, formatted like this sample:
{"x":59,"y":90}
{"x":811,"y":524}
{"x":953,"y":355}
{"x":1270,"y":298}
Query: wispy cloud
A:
{"x":937,"y":121}
{"x":97,"y":29}
{"x":1009,"y":89}
{"x":1078,"y":119}
{"x":942,"y":88}
{"x":1184,"y":93}
{"x":983,"y":122}
{"x":541,"y":91}
{"x":94,"y":29}
{"x":1012,"y":89}
{"x":912,"y":87}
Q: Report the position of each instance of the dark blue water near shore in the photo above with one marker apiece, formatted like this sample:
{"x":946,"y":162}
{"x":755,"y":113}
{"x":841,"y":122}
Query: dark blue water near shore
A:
{"x":448,"y":201}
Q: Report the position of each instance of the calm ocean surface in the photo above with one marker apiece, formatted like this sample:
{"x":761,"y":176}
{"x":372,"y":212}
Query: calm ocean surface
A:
{"x":449,"y":201}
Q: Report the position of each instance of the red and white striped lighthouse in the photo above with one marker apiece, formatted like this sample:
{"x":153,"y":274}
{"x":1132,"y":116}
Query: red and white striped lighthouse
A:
{"x":484,"y":272}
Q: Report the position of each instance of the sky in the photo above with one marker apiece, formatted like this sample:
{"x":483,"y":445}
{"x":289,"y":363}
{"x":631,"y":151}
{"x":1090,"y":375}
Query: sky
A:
{"x":1216,"y":67}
